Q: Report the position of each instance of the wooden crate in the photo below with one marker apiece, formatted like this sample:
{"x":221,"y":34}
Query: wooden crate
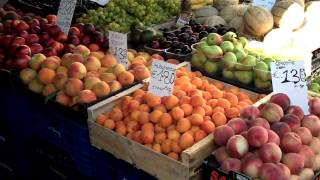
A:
{"x":156,"y":164}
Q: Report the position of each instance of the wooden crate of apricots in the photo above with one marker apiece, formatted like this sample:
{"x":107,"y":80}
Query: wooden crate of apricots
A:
{"x":167,"y":137}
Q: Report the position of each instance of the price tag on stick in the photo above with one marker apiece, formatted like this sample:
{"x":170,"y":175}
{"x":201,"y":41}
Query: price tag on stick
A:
{"x":268,"y":4}
{"x":65,"y":14}
{"x":290,"y":78}
{"x":118,"y":46}
{"x":101,"y":2}
{"x":163,"y":76}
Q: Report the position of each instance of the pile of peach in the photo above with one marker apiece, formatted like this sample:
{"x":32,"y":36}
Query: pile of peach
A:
{"x":272,"y":141}
{"x":79,"y":77}
{"x":172,"y":124}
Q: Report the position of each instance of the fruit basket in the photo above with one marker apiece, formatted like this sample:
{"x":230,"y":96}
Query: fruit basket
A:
{"x":104,"y":135}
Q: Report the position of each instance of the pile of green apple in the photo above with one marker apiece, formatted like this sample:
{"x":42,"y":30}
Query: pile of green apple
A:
{"x":227,"y":56}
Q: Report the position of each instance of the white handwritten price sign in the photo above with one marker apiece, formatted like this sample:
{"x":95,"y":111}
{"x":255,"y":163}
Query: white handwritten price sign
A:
{"x":65,"y":14}
{"x":268,"y":4}
{"x":118,"y":46}
{"x":101,"y":2}
{"x":163,"y":76}
{"x":290,"y":78}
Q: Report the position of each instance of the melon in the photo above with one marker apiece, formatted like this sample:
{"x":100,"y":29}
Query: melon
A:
{"x":220,"y":4}
{"x":300,"y":2}
{"x":257,"y":21}
{"x":288,"y":14}
{"x":206,"y":11}
{"x":236,"y":23}
{"x":215,"y":20}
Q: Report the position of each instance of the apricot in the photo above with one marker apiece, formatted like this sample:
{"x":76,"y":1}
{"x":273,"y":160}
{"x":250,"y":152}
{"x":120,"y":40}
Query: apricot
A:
{"x":155,"y":116}
{"x":166,"y":146}
{"x":125,"y":78}
{"x":116,"y":114}
{"x":199,"y":110}
{"x":177,"y":113}
{"x":183,"y":125}
{"x":165,"y":120}
{"x":174,"y":156}
{"x":121,"y":128}
{"x":232,"y":98}
{"x":219,"y":119}
{"x":63,"y":99}
{"x":199,"y":135}
{"x":157,"y":148}
{"x":46,"y":75}
{"x":186,"y":140}
{"x":160,"y":137}
{"x":144,"y":108}
{"x":171,"y":102}
{"x":152,"y":100}
{"x":173,"y":135}
{"x":197,"y":100}
{"x":100,"y":119}
{"x":147,"y":136}
{"x":161,"y":108}
{"x":216,"y":93}
{"x":132,"y":126}
{"x":108,"y":123}
{"x":196,"y":119}
{"x":184,"y":100}
{"x":143,"y":117}
{"x":73,"y":86}
{"x":147,"y":126}
{"x":134,"y":115}
{"x":132,"y":105}
{"x":208,"y":126}
{"x":175,"y":147}
{"x":187,"y":109}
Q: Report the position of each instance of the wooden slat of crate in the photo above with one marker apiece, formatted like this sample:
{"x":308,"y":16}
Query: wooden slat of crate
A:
{"x":156,"y":164}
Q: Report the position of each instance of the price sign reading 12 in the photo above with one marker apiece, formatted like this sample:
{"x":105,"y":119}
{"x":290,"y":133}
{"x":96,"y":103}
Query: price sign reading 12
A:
{"x":290,"y":78}
{"x":118,"y":46}
{"x":163,"y":76}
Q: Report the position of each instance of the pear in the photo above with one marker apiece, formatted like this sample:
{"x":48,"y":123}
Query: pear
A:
{"x":212,"y":51}
{"x":227,"y":74}
{"x":229,"y":60}
{"x":244,"y":77}
{"x":198,"y":59}
{"x":238,"y":45}
{"x":246,"y":64}
{"x":229,"y":36}
{"x":262,"y":71}
{"x":244,"y":41}
{"x":214,"y":39}
{"x":200,"y":45}
{"x":240,"y":54}
{"x":262,"y":84}
{"x":211,"y":67}
{"x":227,"y":46}
{"x":268,"y":61}
{"x":315,"y":87}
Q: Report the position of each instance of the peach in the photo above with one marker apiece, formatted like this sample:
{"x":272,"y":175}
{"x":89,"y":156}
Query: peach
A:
{"x":294,"y":161}
{"x":222,"y":134}
{"x":46,"y":75}
{"x":173,"y":135}
{"x":115,"y":86}
{"x":272,"y":112}
{"x":160,"y":137}
{"x":231,"y":164}
{"x":304,"y":134}
{"x":73,"y":86}
{"x":107,"y":77}
{"x":281,"y":99}
{"x":238,"y":125}
{"x":63,"y":99}
{"x":141,"y":73}
{"x":97,"y":54}
{"x":207,"y":126}
{"x":175,"y":147}
{"x":186,"y":140}
{"x":27,"y":75}
{"x":126,"y":78}
{"x":270,"y":153}
{"x":280,"y":128}
{"x":109,"y":124}
{"x":171,"y":101}
{"x":59,"y":80}
{"x":285,"y":170}
{"x":101,"y":89}
{"x":90,"y":82}
{"x":108,"y":60}
{"x":315,"y":145}
{"x":183,"y":125}
{"x":92,"y":64}
{"x":177,"y":113}
{"x":117,"y":69}
{"x":77,"y":70}
{"x":69,"y":58}
{"x":290,"y":142}
{"x":91,"y":74}
{"x":312,"y":122}
{"x":292,"y":120}
{"x":48,"y":89}
{"x":249,"y":155}
{"x":308,"y":155}
{"x":221,"y":154}
{"x":196,"y":119}
{"x":199,"y":135}
{"x":306,"y":174}
{"x":270,"y":171}
{"x":259,"y":122}
{"x":251,"y":167}
{"x":296,"y":110}
{"x":316,"y":163}
{"x":62,"y":69}
{"x":166,"y":146}
{"x":83,"y":50}
{"x":273,"y":137}
{"x":314,"y":104}
{"x":294,"y":177}
{"x":36,"y":60}
{"x":244,"y":134}
{"x":147,"y":136}
{"x":52,"y":62}
{"x":250,"y":112}
{"x":257,"y":136}
{"x":237,"y":146}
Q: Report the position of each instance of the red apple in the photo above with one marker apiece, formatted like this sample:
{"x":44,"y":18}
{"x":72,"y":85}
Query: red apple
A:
{"x":17,"y":41}
{"x":22,"y":50}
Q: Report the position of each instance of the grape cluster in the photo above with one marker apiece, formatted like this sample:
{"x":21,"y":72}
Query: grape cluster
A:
{"x":120,"y":15}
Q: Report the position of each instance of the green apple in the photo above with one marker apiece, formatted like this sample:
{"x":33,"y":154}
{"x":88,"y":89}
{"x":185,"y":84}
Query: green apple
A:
{"x":211,"y":67}
{"x":315,"y":87}
{"x":244,"y":41}
{"x":262,"y":71}
{"x":229,"y":36}
{"x":240,"y":53}
{"x":262,"y":84}
{"x":227,"y":74}
{"x":214,"y":39}
{"x":229,"y":60}
{"x":212,"y":51}
{"x":198,"y":59}
{"x":244,"y":77}
{"x":226,"y":46}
